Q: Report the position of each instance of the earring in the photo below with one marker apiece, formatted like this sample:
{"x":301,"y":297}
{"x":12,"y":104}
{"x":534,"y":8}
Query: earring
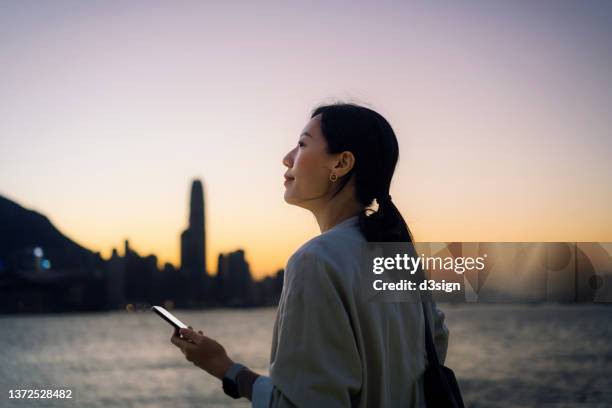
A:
{"x":333,"y":177}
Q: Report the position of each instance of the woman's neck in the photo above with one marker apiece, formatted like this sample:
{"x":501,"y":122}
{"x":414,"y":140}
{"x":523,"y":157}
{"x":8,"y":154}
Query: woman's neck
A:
{"x":337,"y":209}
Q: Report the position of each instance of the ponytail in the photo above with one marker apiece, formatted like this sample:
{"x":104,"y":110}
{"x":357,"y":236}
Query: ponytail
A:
{"x":384,"y":225}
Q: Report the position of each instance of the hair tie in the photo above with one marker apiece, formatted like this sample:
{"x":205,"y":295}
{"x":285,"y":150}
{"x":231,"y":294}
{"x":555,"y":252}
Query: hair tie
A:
{"x":386,"y":198}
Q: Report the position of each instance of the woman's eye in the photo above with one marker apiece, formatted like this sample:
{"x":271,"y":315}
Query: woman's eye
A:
{"x":301,"y":144}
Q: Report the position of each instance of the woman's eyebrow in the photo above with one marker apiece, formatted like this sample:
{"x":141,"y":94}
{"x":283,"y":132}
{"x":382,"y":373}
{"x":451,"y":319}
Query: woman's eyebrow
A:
{"x":305,"y":134}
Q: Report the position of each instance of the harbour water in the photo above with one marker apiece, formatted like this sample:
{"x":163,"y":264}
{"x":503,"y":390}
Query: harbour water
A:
{"x":503,"y":356}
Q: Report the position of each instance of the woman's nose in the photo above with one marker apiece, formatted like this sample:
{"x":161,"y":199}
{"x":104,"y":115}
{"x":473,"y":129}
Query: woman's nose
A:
{"x":288,"y":159}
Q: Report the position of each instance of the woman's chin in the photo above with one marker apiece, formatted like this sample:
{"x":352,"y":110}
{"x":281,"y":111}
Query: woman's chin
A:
{"x":289,"y":198}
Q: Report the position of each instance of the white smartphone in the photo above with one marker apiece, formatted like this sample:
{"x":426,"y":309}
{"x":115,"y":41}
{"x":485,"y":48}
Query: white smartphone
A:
{"x":169,"y":317}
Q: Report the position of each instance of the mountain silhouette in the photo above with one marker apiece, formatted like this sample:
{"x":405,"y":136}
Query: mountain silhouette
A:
{"x":23,"y":230}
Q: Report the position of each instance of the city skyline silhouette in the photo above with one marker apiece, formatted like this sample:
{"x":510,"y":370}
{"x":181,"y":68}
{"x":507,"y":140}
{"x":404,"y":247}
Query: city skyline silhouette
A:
{"x":43,"y":270}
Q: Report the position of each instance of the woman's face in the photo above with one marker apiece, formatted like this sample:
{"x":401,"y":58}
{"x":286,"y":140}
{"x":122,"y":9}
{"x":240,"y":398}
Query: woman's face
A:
{"x":308,"y":167}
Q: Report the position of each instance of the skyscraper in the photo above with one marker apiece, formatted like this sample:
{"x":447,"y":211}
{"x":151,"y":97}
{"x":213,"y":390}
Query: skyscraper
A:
{"x":193,"y":239}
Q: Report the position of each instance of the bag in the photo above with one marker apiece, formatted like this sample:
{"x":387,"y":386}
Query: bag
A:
{"x":441,"y":387}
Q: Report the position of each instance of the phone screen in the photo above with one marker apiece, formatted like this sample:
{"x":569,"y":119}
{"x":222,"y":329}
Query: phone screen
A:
{"x":169,"y":317}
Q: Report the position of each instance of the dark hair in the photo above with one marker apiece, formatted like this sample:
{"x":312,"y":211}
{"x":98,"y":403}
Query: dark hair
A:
{"x":371,"y":139}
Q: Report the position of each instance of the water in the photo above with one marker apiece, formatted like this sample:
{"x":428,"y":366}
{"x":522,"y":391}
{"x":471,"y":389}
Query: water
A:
{"x":503,"y":355}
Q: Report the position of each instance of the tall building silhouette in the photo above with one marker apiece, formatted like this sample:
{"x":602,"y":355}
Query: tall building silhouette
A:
{"x":193,"y":239}
{"x":233,"y":283}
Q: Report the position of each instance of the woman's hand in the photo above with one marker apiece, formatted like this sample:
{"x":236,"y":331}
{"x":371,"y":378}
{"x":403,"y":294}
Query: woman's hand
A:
{"x":202,"y":351}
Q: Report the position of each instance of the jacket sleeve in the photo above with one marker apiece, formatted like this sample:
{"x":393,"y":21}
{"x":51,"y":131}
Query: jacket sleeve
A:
{"x":316,"y":363}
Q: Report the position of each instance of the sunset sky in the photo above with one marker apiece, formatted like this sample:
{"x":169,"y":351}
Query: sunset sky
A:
{"x":110,"y":109}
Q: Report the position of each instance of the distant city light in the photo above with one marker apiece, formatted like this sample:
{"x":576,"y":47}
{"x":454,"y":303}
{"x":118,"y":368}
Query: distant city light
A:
{"x":46,"y":264}
{"x":38,"y":252}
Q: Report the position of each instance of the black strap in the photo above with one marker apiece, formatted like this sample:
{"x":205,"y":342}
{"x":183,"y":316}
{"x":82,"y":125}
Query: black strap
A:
{"x":440,"y":384}
{"x":432,"y":356}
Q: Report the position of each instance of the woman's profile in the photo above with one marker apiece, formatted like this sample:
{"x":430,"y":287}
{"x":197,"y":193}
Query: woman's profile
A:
{"x":330,"y":346}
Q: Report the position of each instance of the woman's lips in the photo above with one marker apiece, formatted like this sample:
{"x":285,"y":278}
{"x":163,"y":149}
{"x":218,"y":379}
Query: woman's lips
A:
{"x":287,"y":180}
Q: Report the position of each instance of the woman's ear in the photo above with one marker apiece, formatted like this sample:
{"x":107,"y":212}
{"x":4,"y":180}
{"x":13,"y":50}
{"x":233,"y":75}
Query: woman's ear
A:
{"x":344,"y":163}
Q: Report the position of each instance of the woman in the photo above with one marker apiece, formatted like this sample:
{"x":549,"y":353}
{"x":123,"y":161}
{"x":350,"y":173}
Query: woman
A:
{"x":332,"y":348}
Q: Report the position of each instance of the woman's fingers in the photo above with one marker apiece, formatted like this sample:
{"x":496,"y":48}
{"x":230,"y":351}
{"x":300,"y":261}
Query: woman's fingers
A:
{"x":183,"y":344}
{"x":175,"y":340}
{"x":175,"y":333}
{"x":191,"y":336}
